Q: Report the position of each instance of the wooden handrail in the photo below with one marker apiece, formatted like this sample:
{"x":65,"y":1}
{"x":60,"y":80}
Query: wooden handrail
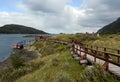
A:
{"x":83,"y":51}
{"x":84,"y":48}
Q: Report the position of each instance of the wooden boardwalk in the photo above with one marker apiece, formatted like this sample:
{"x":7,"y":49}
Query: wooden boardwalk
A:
{"x":112,"y":68}
{"x":84,"y":57}
{"x":109,"y":61}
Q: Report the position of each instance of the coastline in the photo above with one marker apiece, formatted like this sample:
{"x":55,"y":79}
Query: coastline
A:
{"x":28,"y":54}
{"x":6,"y":63}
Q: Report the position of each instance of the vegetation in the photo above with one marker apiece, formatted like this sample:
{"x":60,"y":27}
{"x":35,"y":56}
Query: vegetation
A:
{"x":11,"y":74}
{"x":108,"y":41}
{"x":56,"y":64}
{"x":59,"y":65}
{"x":19,"y":29}
{"x":19,"y":65}
{"x":69,"y":37}
{"x":96,"y":74}
{"x":16,"y":61}
{"x":112,"y":28}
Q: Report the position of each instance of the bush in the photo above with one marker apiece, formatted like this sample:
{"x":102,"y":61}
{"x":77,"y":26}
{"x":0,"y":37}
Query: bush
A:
{"x":17,"y":61}
{"x":34,"y":65}
{"x":65,"y":66}
{"x":55,"y":62}
{"x":96,"y":74}
{"x":11,"y":74}
{"x":63,"y":77}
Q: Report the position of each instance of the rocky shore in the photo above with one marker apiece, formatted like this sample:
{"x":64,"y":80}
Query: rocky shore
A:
{"x":27,"y":54}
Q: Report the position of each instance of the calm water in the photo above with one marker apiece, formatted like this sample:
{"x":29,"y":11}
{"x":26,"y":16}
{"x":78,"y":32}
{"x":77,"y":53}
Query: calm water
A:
{"x":6,"y":43}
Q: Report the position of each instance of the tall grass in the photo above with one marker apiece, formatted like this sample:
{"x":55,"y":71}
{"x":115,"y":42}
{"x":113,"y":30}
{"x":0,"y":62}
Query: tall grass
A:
{"x":97,"y":74}
{"x":59,"y":67}
{"x":68,"y":37}
{"x":11,"y":74}
{"x":108,"y":41}
{"x":56,"y":65}
{"x":48,"y":48}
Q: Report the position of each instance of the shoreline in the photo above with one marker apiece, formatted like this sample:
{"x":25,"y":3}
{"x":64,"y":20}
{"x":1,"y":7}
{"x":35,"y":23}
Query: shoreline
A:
{"x":28,"y":54}
{"x":6,"y":63}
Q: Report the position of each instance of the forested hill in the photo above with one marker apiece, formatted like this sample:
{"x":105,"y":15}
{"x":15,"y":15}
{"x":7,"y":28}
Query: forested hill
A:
{"x":19,"y":29}
{"x":111,"y":28}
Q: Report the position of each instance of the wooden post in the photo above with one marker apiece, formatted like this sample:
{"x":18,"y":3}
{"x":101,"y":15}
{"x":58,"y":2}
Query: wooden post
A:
{"x":119,"y":56}
{"x":73,"y":46}
{"x":104,"y":52}
{"x":106,"y":64}
{"x":80,"y":50}
{"x":91,"y":49}
{"x":95,"y":54}
{"x":86,"y":52}
{"x":105,"y":49}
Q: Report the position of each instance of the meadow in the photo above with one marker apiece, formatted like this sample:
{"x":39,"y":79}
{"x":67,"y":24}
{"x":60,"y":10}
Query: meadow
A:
{"x":56,"y":64}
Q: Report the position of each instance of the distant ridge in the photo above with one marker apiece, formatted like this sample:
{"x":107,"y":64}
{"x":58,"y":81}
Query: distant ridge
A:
{"x":111,"y":28}
{"x":19,"y":29}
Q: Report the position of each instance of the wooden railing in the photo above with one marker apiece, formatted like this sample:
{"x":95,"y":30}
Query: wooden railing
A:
{"x":108,"y":57}
{"x":101,"y":53}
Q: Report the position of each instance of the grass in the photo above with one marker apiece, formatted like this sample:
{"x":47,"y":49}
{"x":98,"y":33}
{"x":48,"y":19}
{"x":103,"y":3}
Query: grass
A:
{"x":57,"y":65}
{"x":61,"y":67}
{"x":20,"y":64}
{"x":96,"y":74}
{"x":108,"y":41}
{"x":68,"y":37}
{"x":11,"y":74}
{"x":58,"y":68}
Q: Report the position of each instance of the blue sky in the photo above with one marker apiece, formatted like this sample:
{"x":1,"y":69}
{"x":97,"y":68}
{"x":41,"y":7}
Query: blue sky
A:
{"x":10,"y":5}
{"x":56,"y":16}
{"x":13,"y":5}
{"x":76,"y":3}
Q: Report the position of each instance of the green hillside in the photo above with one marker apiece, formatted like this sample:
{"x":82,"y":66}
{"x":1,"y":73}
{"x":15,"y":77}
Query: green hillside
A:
{"x":111,"y":28}
{"x":19,"y":29}
{"x":55,"y":64}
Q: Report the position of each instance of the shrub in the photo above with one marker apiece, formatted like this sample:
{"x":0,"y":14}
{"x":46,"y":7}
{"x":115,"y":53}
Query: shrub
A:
{"x":65,"y":66}
{"x":11,"y":74}
{"x":55,"y":62}
{"x":36,"y":65}
{"x":17,"y":61}
{"x":63,"y":77}
{"x":96,"y":74}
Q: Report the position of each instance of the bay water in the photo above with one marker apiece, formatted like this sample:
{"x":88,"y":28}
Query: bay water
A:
{"x":7,"y":41}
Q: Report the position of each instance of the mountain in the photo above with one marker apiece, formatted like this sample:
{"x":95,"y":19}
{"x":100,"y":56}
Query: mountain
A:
{"x":111,"y":28}
{"x":19,"y":29}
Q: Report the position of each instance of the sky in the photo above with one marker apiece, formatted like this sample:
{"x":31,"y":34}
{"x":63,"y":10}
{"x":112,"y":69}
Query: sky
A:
{"x":60,"y":16}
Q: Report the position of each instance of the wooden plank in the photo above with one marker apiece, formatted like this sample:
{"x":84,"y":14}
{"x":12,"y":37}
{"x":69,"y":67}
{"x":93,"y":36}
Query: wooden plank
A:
{"x":112,"y":68}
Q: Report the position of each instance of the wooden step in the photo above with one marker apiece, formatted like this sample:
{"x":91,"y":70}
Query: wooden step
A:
{"x":77,"y":58}
{"x":83,"y":61}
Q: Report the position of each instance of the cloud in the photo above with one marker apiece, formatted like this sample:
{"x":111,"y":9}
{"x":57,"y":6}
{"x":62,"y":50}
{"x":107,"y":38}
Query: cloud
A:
{"x":18,"y":18}
{"x":45,"y":6}
{"x":57,"y":16}
{"x":99,"y":13}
